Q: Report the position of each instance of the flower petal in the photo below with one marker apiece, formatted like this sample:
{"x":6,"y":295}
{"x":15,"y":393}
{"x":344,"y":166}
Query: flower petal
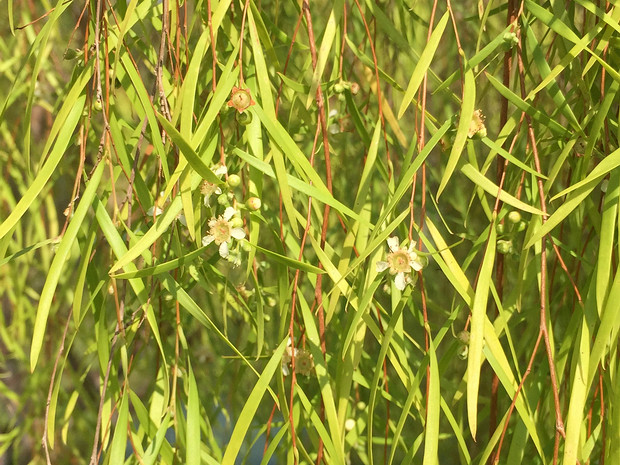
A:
{"x":400,"y":281}
{"x":382,"y":266}
{"x":393,"y":243}
{"x":219,"y":170}
{"x":416,"y":265}
{"x":224,"y":249}
{"x":229,"y":213}
{"x":237,"y":233}
{"x":207,"y":240}
{"x":158,"y":211}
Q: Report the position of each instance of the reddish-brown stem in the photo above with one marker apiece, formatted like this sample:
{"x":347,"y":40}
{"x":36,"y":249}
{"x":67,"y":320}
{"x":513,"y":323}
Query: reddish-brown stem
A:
{"x":378,"y":82}
{"x":514,"y":398}
{"x":543,"y":270}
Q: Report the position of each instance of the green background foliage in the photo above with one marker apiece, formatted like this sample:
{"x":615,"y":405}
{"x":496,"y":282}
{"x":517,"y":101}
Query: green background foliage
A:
{"x":485,"y":132}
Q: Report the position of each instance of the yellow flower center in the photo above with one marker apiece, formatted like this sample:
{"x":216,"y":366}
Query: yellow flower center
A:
{"x":207,"y":188}
{"x":220,"y":230}
{"x":241,"y":100}
{"x":399,"y":261}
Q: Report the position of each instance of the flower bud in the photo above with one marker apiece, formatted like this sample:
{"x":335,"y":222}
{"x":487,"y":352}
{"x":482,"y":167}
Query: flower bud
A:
{"x":499,"y":228}
{"x":236,"y":222}
{"x":349,"y":424}
{"x":514,"y":217}
{"x":253,"y":203}
{"x":222,"y":199}
{"x":234,"y":180}
{"x":355,"y":88}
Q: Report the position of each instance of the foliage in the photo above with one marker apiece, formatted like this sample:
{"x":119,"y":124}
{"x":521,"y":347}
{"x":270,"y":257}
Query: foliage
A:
{"x":278,"y":232}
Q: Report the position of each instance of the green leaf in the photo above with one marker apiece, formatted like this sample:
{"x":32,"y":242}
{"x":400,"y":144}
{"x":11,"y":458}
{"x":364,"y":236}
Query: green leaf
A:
{"x":62,"y":142}
{"x":423,"y":64}
{"x":289,"y":262}
{"x":251,"y":405}
{"x":476,"y":338}
{"x":467,"y":111}
{"x":431,"y":428}
{"x":56,"y":269}
{"x":486,"y":184}
{"x":119,"y":441}
{"x":192,"y":452}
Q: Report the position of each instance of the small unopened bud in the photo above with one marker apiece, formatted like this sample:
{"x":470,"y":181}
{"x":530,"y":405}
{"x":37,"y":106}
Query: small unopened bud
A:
{"x":234,"y":180}
{"x":355,"y":88}
{"x":222,"y":199}
{"x":514,"y":217}
{"x":349,"y":424}
{"x":236,"y":222}
{"x":253,"y":203}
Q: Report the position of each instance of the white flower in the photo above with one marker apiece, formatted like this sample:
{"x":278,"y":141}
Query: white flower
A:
{"x":207,"y":188}
{"x":222,"y":232}
{"x":400,"y":261}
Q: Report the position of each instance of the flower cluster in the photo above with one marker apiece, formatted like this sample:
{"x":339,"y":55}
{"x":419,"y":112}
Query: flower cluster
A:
{"x":400,"y":262}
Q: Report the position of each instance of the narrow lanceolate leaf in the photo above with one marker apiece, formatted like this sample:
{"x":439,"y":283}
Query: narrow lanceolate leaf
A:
{"x":606,"y":242}
{"x":467,"y":111}
{"x":422,"y":67}
{"x":161,"y":225}
{"x":249,"y":409}
{"x":578,"y":395}
{"x":485,"y":183}
{"x":56,"y":269}
{"x":476,"y":338}
{"x":192,"y":157}
{"x":119,"y":442}
{"x":574,"y":200}
{"x":431,"y":436}
{"x":63,"y":140}
{"x":192,"y":452}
